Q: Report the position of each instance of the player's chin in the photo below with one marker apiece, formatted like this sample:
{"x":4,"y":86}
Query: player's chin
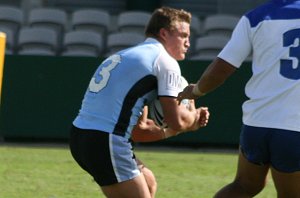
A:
{"x":181,"y":57}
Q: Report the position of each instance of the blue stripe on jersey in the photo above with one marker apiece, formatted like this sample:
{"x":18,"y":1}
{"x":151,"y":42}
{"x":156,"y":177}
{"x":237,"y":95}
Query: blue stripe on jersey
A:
{"x":283,"y":1}
{"x":274,"y":11}
{"x":142,"y":87}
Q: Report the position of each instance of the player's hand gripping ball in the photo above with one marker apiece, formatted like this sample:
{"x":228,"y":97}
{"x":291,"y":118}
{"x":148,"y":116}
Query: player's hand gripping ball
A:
{"x":155,"y":109}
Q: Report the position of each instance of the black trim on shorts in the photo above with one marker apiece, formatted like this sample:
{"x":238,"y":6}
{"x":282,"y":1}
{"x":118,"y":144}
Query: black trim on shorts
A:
{"x":90,"y":149}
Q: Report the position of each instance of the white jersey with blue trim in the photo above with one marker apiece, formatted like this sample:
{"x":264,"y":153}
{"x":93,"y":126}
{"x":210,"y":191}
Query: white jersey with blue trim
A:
{"x":272,"y":33}
{"x":124,"y":83}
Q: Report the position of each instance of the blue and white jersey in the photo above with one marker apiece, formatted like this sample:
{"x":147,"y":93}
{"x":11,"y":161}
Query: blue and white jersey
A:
{"x":272,"y":33}
{"x":124,"y":83}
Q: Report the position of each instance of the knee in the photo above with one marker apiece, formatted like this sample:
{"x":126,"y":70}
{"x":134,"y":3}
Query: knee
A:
{"x":249,"y":188}
{"x":152,"y":187}
{"x":238,"y":189}
{"x":150,"y":180}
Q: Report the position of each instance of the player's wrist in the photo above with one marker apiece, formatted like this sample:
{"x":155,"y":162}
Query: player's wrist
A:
{"x":196,"y":124}
{"x":163,"y":133}
{"x":168,"y":133}
{"x":196,"y":91}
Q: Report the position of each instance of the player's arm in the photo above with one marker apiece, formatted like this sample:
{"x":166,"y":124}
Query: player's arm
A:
{"x":235,"y":52}
{"x":204,"y":113}
{"x":183,"y":119}
{"x":147,"y":131}
{"x":214,"y":76}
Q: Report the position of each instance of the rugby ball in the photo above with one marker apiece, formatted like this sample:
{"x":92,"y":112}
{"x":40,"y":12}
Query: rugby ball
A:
{"x":155,"y":111}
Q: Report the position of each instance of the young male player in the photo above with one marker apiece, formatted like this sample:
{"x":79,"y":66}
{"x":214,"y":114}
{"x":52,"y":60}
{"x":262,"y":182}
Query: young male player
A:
{"x":270,"y":137}
{"x":117,"y":93}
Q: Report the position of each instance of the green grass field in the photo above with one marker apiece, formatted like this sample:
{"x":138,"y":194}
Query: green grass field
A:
{"x":34,"y":171}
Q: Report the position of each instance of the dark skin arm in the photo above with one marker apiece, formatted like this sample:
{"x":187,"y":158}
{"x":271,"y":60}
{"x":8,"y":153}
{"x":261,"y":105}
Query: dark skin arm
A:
{"x":214,"y":76}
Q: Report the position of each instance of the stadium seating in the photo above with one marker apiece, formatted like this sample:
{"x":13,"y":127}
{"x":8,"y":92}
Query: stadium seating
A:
{"x":219,"y":24}
{"x":112,"y":6}
{"x":37,"y":41}
{"x":120,"y":40}
{"x":11,"y":19}
{"x":82,"y":43}
{"x":52,"y":18}
{"x":10,"y":40}
{"x":55,"y":19}
{"x":197,"y":8}
{"x":133,"y":21}
{"x":196,"y":31}
{"x":91,"y":19}
{"x":208,"y":47}
{"x":210,"y":17}
{"x":237,"y":7}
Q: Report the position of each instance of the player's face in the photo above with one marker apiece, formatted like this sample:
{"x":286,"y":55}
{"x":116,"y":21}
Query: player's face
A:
{"x":177,"y":41}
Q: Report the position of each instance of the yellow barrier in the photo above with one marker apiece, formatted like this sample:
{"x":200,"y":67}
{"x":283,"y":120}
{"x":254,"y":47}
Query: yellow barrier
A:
{"x":2,"y":55}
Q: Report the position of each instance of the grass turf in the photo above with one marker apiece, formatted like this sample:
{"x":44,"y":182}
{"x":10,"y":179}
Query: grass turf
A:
{"x":30,"y":171}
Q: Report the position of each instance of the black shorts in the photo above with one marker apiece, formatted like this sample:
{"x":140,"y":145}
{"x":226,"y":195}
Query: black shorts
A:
{"x":108,"y":158}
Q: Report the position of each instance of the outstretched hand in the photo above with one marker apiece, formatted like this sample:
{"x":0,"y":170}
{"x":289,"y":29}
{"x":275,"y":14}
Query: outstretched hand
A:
{"x":187,"y":93}
{"x":204,"y":116}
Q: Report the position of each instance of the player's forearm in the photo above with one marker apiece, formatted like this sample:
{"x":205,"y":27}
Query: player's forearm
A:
{"x":214,"y":76}
{"x":152,"y":134}
{"x":200,"y":119}
{"x":144,"y":136}
{"x":186,"y":121}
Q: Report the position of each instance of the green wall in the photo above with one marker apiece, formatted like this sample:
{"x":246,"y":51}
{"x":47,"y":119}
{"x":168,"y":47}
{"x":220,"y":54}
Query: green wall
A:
{"x":42,"y":95}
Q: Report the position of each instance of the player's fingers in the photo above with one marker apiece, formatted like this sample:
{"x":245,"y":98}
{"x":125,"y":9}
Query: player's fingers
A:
{"x":144,"y":114}
{"x":204,"y":116}
{"x":179,"y":98}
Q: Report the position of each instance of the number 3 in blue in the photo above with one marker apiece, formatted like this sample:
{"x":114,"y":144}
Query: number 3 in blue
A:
{"x":287,"y":69}
{"x":99,"y":81}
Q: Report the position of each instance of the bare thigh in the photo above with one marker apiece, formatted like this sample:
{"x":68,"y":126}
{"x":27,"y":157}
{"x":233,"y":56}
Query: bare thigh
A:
{"x":149,"y":177}
{"x":133,"y":188}
{"x":251,"y":177}
{"x":287,"y":184}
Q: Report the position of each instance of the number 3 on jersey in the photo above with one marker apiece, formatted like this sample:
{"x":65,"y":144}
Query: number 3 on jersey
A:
{"x":287,"y":69}
{"x":102,"y":75}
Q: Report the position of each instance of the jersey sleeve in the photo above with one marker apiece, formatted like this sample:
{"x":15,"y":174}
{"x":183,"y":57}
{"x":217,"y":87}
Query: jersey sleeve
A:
{"x":239,"y":46}
{"x":168,"y":75}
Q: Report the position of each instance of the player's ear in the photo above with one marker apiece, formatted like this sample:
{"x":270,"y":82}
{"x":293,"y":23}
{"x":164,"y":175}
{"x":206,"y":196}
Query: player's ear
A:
{"x":163,"y":33}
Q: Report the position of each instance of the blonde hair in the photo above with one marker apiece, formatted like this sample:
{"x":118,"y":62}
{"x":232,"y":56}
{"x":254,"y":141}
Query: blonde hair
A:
{"x":166,"y":17}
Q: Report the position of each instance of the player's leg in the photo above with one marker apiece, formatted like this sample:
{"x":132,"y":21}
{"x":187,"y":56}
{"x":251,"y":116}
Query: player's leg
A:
{"x":142,"y":186}
{"x":287,"y":184}
{"x":109,"y":159}
{"x":149,"y":176}
{"x":285,"y":147}
{"x":133,"y":188}
{"x":151,"y":181}
{"x":250,"y":180}
{"x":253,"y":165}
